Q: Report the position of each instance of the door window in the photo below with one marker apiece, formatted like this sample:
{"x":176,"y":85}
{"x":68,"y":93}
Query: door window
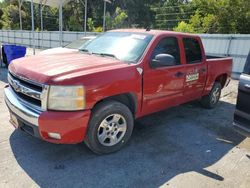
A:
{"x":170,"y":46}
{"x":192,"y":50}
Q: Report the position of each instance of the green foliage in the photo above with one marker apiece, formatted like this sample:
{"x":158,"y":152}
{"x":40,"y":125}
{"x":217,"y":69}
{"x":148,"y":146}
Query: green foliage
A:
{"x":169,"y":13}
{"x":184,"y":27}
{"x":90,"y":24}
{"x":220,"y":16}
{"x":117,"y":20}
{"x":91,"y":27}
{"x":73,"y":24}
{"x":199,"y":16}
{"x":98,"y":29}
{"x":10,"y":17}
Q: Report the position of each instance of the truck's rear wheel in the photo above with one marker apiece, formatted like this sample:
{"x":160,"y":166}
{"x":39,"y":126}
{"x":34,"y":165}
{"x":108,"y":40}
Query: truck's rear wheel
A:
{"x":110,"y":127}
{"x":210,"y":101}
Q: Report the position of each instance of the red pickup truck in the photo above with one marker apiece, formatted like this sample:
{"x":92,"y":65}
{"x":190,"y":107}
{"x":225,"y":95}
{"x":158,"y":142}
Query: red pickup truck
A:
{"x":95,"y":94}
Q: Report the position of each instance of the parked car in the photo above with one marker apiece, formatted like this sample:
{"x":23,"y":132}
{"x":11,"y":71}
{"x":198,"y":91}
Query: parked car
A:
{"x":69,"y":48}
{"x":95,"y":94}
{"x":242,"y":112}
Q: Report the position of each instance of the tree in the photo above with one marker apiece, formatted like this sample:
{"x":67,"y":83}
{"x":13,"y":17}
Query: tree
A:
{"x":10,"y":17}
{"x":184,"y":27}
{"x":169,"y":13}
{"x":200,"y":16}
{"x":117,"y":20}
{"x":220,"y":16}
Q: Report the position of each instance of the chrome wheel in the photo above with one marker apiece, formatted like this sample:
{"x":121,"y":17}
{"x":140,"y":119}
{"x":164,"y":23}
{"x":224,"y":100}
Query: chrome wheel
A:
{"x":111,"y":130}
{"x":215,"y":96}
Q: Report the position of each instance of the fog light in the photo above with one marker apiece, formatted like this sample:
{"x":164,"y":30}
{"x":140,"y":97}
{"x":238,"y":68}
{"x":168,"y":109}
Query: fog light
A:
{"x":54,"y":135}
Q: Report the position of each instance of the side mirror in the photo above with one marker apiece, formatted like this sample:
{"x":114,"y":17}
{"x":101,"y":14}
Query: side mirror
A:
{"x":162,"y":60}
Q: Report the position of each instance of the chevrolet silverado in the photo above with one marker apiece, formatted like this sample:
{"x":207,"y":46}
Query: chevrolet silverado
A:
{"x":94,"y":95}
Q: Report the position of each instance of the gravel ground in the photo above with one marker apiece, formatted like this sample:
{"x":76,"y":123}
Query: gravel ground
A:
{"x":185,"y":146}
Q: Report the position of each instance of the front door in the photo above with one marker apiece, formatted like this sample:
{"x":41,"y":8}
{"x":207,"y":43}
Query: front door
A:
{"x":163,"y":86}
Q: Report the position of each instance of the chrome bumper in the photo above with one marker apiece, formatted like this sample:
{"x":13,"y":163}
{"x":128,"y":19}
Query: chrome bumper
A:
{"x":19,"y":109}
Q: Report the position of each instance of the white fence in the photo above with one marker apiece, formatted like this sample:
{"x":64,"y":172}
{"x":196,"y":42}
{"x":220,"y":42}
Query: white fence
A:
{"x":236,"y":46}
{"x":47,"y":39}
{"x":232,"y":45}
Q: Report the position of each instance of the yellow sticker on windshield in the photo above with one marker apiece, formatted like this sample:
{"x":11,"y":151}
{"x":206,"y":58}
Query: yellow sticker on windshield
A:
{"x":192,"y":77}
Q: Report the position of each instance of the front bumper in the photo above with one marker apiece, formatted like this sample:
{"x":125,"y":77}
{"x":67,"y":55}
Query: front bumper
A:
{"x":71,"y":126}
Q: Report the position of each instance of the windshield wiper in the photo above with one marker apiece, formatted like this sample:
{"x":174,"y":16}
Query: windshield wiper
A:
{"x":106,"y":54}
{"x":84,"y":50}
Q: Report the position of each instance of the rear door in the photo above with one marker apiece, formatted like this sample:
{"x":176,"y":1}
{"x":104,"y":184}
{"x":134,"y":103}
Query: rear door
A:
{"x":242,"y":113}
{"x":196,"y":69}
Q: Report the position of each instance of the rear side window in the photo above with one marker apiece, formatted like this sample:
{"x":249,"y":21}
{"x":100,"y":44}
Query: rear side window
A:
{"x":192,"y":50}
{"x":247,"y":65}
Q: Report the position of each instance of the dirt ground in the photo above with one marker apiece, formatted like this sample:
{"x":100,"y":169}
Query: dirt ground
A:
{"x":186,"y":146}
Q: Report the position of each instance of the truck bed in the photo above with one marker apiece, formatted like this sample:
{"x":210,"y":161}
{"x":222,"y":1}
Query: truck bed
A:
{"x":217,"y":66}
{"x":215,"y":57}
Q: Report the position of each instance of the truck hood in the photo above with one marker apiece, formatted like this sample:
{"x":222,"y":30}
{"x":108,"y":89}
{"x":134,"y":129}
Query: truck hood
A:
{"x":58,"y":67}
{"x":58,"y":50}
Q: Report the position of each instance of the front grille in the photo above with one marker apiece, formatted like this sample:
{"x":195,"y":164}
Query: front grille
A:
{"x":27,"y":91}
{"x":27,"y":83}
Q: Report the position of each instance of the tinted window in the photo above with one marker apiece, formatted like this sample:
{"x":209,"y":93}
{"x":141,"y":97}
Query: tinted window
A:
{"x":247,"y":65}
{"x":170,"y":46}
{"x":192,"y":50}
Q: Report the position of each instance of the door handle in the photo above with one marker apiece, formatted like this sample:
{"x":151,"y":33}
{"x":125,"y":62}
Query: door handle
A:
{"x":179,"y":74}
{"x":203,"y":70}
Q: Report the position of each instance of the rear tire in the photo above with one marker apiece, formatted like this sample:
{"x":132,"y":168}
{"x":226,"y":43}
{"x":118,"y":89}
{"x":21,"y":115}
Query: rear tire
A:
{"x":210,"y":101}
{"x":110,"y":127}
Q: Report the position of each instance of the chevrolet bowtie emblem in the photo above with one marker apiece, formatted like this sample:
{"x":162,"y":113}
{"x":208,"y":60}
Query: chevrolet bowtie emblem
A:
{"x":16,"y":85}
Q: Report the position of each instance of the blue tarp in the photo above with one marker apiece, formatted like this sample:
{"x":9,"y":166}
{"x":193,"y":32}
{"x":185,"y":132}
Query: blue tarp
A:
{"x":12,"y":52}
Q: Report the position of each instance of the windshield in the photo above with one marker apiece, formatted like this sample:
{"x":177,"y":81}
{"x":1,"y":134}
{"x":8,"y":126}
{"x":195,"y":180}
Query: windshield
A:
{"x":124,"y":46}
{"x":77,"y":43}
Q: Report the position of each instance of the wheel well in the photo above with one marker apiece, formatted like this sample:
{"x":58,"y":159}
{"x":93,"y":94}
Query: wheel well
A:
{"x":127,"y":99}
{"x":222,"y":79}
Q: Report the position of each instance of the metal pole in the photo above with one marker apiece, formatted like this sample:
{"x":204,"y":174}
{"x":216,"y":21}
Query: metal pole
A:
{"x":20,"y":2}
{"x":85,"y":17}
{"x":33,"y":26}
{"x":104,"y":16}
{"x":41,"y":12}
{"x":229,"y":46}
{"x":60,"y":21}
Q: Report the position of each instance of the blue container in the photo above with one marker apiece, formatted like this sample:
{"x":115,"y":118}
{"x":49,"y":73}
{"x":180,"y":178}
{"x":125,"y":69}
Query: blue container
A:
{"x":13,"y":52}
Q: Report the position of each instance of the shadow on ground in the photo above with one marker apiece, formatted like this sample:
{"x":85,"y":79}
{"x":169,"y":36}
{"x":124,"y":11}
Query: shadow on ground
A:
{"x":163,"y":145}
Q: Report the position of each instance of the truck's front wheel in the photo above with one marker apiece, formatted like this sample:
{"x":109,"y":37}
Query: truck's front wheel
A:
{"x":110,"y":127}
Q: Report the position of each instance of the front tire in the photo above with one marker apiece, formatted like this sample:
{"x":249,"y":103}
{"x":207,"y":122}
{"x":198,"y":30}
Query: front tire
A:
{"x":210,"y":101}
{"x":110,"y":127}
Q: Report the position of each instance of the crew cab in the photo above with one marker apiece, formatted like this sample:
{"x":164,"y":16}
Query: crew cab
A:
{"x":95,"y":94}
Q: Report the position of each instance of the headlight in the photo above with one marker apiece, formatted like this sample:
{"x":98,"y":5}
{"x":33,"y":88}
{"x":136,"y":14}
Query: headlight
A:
{"x":66,"y":98}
